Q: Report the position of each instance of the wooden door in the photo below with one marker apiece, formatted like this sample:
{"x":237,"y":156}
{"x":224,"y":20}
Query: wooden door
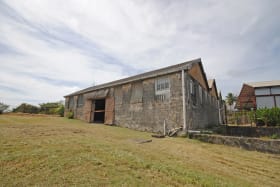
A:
{"x":109,"y":111}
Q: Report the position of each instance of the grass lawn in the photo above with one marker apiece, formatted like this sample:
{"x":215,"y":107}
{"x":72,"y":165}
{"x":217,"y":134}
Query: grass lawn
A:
{"x":54,"y":151}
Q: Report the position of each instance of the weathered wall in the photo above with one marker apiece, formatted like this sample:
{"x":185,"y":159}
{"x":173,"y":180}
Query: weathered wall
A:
{"x":87,"y":110}
{"x":252,"y":131}
{"x":197,"y":74}
{"x":201,"y":107}
{"x":148,"y":113}
{"x":254,"y":144}
{"x":81,"y":112}
{"x":137,"y":106}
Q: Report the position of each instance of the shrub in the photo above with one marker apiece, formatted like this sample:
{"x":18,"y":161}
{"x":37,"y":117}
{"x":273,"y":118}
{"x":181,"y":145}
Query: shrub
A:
{"x":60,"y":111}
{"x":52,"y":108}
{"x":70,"y":115}
{"x":269,"y":117}
{"x":274,"y":136}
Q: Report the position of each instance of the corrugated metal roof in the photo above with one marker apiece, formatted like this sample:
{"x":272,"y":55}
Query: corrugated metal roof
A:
{"x":151,"y":74}
{"x":264,"y":83}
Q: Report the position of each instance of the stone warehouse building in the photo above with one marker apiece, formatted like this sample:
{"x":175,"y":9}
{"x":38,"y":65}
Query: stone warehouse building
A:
{"x":177,"y":96}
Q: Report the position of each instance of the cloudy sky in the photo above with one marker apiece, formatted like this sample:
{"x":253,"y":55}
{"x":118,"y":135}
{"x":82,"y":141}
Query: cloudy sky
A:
{"x":50,"y":48}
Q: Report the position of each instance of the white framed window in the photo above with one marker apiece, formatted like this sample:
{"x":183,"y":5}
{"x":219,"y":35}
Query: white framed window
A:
{"x":162,"y":85}
{"x":162,"y":88}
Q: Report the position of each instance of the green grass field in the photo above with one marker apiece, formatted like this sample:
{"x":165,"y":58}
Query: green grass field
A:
{"x":53,"y":151}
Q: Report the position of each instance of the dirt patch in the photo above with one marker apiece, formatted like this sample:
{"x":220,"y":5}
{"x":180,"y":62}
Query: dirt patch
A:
{"x":141,"y":141}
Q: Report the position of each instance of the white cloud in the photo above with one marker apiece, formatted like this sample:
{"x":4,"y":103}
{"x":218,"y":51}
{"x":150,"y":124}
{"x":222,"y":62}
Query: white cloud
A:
{"x":98,"y":41}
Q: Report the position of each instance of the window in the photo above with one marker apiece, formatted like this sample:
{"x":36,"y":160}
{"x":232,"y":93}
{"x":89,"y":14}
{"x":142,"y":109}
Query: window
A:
{"x":277,"y":100}
{"x":193,"y":91}
{"x":206,"y":96}
{"x":263,"y":102}
{"x":275,"y":90}
{"x":262,"y":91}
{"x":200,"y":94}
{"x":80,"y":101}
{"x":162,"y":84}
{"x":71,"y":102}
{"x":191,"y":86}
{"x":162,"y":89}
{"x":137,"y":93}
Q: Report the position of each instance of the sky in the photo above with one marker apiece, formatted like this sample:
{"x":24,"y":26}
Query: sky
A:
{"x":51,"y":48}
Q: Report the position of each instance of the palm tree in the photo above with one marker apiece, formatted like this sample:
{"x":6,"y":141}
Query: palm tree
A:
{"x":230,"y":99}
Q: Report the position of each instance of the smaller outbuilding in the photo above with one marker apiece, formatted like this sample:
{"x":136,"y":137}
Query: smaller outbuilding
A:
{"x":256,"y":95}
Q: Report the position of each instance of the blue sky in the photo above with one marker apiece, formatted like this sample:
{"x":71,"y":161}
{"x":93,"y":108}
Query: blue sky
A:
{"x":50,"y":48}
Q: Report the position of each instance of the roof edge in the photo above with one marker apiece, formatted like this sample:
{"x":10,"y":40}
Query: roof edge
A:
{"x":142,"y":76}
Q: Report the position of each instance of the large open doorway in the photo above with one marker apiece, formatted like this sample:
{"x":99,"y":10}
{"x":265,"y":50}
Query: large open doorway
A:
{"x":99,"y":111}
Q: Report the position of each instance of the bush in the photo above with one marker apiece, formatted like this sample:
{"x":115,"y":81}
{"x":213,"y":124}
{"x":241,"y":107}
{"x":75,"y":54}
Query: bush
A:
{"x":70,"y":115}
{"x":53,"y":108}
{"x":270,"y":117}
{"x":274,"y":136}
{"x":60,"y":111}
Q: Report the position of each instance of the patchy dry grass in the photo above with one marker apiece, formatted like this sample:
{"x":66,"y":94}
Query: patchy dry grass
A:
{"x":53,"y":151}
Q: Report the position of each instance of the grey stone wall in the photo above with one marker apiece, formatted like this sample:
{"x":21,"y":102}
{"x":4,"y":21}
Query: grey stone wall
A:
{"x":253,"y":144}
{"x":149,"y":113}
{"x":79,"y":112}
{"x":251,"y":131}
{"x":138,"y":107}
{"x":202,"y":111}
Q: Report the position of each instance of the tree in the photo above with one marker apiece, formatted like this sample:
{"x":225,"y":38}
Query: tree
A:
{"x":56,"y":108}
{"x":49,"y":108}
{"x":3,"y":107}
{"x":230,"y":99}
{"x":27,"y":108}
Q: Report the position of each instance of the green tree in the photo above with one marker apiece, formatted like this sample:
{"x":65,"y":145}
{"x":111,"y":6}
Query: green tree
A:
{"x":56,"y":108}
{"x":3,"y":107}
{"x":49,"y":108}
{"x":230,"y":99}
{"x":27,"y":108}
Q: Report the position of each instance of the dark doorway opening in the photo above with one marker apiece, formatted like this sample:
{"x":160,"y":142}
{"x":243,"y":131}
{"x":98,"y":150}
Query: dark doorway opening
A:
{"x":99,"y":111}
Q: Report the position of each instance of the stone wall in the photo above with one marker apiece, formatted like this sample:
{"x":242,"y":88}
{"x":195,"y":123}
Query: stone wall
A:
{"x":149,"y":112}
{"x":253,"y":144}
{"x":202,"y":111}
{"x":252,"y":131}
{"x":138,"y":107}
